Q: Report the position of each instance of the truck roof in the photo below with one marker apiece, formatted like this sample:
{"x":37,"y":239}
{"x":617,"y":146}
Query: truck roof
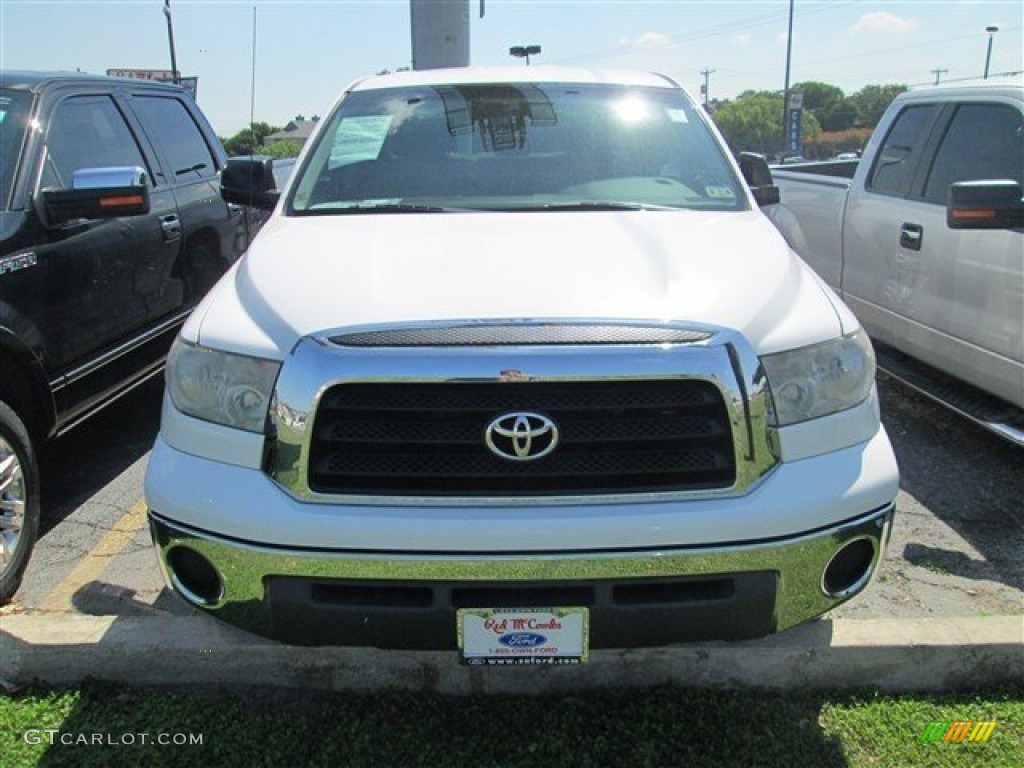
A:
{"x":514,"y":74}
{"x":35,"y":82}
{"x":1005,"y":86}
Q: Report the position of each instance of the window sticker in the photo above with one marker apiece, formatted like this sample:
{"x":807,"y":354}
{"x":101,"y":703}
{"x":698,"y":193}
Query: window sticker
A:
{"x":677,"y":115}
{"x":720,"y":192}
{"x":359,"y":138}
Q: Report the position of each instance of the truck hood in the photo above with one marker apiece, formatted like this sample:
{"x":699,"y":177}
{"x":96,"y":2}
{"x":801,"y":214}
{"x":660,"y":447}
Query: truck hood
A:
{"x":304,"y":275}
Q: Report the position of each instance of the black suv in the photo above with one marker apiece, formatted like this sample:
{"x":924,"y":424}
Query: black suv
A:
{"x":112,"y":227}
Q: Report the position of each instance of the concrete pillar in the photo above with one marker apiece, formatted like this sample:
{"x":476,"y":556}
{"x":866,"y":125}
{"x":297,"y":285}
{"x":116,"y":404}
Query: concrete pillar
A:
{"x":440,"y":33}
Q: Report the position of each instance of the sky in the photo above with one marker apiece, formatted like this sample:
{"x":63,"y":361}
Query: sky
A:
{"x":307,"y":51}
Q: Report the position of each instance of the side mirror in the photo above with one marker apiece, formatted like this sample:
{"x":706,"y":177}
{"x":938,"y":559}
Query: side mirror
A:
{"x":985,"y":205}
{"x":250,"y":181}
{"x":98,"y":193}
{"x":758,"y":176}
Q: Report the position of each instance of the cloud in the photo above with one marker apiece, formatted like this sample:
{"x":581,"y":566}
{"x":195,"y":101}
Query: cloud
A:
{"x":885,"y":22}
{"x":646,"y":40}
{"x":742,"y":40}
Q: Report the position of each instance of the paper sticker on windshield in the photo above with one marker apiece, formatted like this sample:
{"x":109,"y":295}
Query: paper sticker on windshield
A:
{"x":720,"y":193}
{"x":677,"y":115}
{"x":359,"y":138}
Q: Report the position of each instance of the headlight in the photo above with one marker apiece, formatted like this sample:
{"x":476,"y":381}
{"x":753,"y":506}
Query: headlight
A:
{"x":818,"y":380}
{"x":221,"y":387}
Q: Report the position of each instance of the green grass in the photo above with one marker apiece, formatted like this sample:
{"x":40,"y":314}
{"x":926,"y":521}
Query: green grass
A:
{"x":664,"y":726}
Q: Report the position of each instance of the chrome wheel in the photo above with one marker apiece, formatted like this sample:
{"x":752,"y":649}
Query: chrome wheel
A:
{"x":12,"y":505}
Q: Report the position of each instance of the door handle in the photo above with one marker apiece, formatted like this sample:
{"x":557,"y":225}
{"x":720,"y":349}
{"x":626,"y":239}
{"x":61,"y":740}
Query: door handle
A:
{"x":171,"y":226}
{"x":911,"y":236}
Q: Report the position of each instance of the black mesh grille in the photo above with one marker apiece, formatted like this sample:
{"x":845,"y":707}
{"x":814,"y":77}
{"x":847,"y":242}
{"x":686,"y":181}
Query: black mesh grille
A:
{"x":503,"y":334}
{"x":428,"y":439}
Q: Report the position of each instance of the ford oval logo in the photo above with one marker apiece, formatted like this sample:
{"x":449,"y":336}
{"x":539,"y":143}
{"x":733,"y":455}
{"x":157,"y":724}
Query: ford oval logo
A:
{"x":522,"y":640}
{"x":521,"y":436}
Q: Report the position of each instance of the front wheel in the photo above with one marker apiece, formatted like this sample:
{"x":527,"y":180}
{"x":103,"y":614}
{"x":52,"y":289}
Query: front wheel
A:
{"x":19,"y":501}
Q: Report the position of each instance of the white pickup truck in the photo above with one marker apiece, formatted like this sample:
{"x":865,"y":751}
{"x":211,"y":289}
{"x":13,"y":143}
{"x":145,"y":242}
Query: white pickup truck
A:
{"x":926,"y":243}
{"x":517,"y":367}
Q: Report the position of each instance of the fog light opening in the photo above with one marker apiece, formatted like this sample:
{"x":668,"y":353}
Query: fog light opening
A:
{"x":194,"y":577}
{"x":849,"y":569}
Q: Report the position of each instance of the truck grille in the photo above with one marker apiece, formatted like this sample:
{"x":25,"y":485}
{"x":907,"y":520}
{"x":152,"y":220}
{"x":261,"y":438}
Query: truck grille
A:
{"x":614,"y":436}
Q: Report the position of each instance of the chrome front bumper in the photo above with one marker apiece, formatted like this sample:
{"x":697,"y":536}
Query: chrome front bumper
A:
{"x":243,"y":583}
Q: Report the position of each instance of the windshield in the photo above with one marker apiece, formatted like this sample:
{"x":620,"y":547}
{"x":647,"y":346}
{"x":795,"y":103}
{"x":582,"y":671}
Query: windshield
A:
{"x":515,"y":147}
{"x":14,"y":110}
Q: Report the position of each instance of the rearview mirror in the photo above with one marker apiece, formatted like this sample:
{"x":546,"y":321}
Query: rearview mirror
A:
{"x":758,"y":176}
{"x":98,"y":193}
{"x":985,"y":205}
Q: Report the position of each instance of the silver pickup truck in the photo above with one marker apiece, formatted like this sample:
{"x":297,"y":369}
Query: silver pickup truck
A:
{"x":923,"y":239}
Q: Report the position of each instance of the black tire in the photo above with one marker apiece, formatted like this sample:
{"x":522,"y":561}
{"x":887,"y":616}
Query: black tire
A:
{"x":19,"y":501}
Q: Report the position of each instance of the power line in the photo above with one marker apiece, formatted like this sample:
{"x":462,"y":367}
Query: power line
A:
{"x":968,"y":78}
{"x":938,"y":74}
{"x":714,"y":31}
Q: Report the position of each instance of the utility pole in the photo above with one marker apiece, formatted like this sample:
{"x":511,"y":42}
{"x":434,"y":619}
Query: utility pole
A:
{"x":785,"y":93}
{"x":938,"y":74}
{"x":706,"y":90}
{"x":170,"y":41}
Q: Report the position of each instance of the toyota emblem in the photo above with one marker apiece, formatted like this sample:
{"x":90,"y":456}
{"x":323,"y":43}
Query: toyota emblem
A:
{"x":521,"y":436}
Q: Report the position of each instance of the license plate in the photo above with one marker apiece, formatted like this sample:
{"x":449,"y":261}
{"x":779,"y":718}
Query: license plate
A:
{"x":505,"y":636}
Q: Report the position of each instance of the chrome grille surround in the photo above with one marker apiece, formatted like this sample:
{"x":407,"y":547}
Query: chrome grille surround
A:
{"x":722,"y":358}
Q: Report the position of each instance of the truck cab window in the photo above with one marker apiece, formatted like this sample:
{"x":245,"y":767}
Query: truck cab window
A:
{"x":178,"y":134}
{"x":894,"y":167}
{"x":87,"y":132}
{"x":983,"y":141}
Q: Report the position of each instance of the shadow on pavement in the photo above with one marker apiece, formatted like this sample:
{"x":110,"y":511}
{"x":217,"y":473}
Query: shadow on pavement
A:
{"x":969,"y":479}
{"x":98,"y":598}
{"x":78,"y":465}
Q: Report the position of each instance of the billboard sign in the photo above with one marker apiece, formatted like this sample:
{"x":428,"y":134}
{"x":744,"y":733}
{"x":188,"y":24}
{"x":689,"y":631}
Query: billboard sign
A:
{"x":190,"y":84}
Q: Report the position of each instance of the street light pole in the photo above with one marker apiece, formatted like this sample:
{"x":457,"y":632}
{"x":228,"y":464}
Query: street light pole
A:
{"x":524,"y":52}
{"x":170,"y":41}
{"x":988,"y":54}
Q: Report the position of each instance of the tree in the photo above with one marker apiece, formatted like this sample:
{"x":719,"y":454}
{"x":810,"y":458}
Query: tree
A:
{"x":282,"y":149}
{"x":872,"y":100}
{"x":752,"y":122}
{"x":819,"y":98}
{"x":841,"y":116}
{"x":248,"y":141}
{"x":829,"y":105}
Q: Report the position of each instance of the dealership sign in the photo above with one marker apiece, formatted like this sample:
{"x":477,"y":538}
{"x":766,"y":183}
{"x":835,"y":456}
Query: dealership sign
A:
{"x":190,"y":84}
{"x":795,"y":123}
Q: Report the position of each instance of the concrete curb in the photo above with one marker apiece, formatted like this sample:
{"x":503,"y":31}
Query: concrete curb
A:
{"x":891,"y":655}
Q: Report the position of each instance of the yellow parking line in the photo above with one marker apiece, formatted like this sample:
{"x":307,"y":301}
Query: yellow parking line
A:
{"x":96,"y":561}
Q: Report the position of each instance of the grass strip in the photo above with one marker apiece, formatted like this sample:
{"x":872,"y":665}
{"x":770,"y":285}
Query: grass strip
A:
{"x":662,"y":726}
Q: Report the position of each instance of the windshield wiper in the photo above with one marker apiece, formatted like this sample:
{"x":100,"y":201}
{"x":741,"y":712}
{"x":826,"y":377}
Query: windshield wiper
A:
{"x":597,"y":205}
{"x":370,"y":206}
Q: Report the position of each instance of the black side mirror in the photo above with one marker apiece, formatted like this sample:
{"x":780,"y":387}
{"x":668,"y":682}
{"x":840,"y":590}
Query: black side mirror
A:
{"x":985,"y":205}
{"x":98,"y":193}
{"x":758,"y":176}
{"x":250,"y":181}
